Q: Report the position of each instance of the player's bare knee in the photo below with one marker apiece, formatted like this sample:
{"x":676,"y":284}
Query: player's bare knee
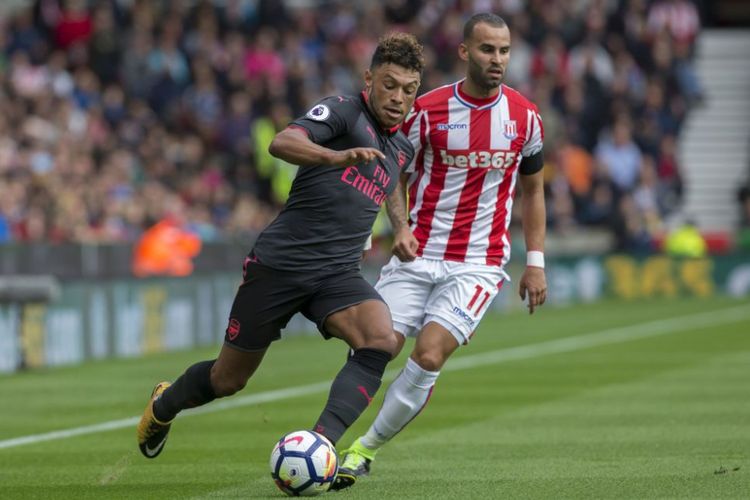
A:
{"x":393,"y":346}
{"x":384,"y":340}
{"x":400,"y":341}
{"x":430,"y":360}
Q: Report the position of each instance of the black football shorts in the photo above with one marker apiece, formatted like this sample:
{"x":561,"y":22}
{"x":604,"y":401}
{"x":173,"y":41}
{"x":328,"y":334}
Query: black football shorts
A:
{"x":268,"y":298}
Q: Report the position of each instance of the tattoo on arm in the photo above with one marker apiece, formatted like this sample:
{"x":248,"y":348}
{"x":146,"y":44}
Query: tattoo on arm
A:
{"x":396,"y":207}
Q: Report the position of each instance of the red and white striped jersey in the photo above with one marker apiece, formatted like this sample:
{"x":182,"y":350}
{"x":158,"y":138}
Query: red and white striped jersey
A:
{"x":463,"y":176}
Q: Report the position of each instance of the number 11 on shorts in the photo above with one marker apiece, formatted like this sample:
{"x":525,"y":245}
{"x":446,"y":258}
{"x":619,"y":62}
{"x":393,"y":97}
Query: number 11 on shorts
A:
{"x":474,"y":299}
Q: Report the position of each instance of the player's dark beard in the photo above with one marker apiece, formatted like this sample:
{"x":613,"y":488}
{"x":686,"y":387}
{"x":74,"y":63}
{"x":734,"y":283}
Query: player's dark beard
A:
{"x":480,"y":79}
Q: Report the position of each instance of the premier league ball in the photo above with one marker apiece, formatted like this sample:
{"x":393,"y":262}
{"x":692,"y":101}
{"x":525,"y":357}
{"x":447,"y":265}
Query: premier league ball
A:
{"x":303,"y":463}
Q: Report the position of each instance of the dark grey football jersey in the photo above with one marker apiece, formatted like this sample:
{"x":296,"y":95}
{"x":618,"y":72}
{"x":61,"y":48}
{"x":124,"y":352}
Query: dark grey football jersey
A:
{"x":330,"y":210}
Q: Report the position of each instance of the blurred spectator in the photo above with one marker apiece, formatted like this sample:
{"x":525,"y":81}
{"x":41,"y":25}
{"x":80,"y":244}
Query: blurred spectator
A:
{"x":686,"y":241}
{"x":165,"y":249}
{"x":668,"y":171}
{"x":168,"y":67}
{"x":105,"y":47}
{"x":685,"y":74}
{"x":591,"y":59}
{"x":519,"y":67}
{"x":275,"y":175}
{"x":677,"y":17}
{"x":578,"y":167}
{"x":560,"y":213}
{"x":202,"y":101}
{"x":646,"y":196}
{"x":237,"y":125}
{"x":551,"y":60}
{"x":599,"y":206}
{"x":620,"y":156}
{"x":631,"y":232}
{"x":73,"y":24}
{"x":262,"y":61}
{"x":24,"y":35}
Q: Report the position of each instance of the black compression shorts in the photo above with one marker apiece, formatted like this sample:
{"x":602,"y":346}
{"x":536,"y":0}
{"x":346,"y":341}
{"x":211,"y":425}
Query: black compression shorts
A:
{"x":268,"y":298}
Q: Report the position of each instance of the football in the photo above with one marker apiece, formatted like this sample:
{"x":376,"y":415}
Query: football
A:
{"x":303,"y":463}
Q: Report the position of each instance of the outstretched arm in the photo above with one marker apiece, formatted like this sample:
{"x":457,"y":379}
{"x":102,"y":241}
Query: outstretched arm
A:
{"x":404,"y":243}
{"x":294,"y":146}
{"x":533,"y":282}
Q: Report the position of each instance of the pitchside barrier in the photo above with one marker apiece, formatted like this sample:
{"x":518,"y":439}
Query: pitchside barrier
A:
{"x":84,"y":320}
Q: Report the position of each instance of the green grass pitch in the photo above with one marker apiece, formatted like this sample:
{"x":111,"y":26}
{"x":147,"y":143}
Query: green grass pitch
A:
{"x":647,"y":399}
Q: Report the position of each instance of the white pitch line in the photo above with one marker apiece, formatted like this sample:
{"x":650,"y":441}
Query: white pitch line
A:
{"x":603,"y":337}
{"x":578,"y":342}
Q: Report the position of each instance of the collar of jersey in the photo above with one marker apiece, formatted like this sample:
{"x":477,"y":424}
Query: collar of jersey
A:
{"x":473,"y":102}
{"x":387,"y":131}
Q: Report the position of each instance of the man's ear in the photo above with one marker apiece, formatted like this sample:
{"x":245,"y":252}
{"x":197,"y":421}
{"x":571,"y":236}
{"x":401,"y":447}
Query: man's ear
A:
{"x":463,"y":51}
{"x":368,"y":79}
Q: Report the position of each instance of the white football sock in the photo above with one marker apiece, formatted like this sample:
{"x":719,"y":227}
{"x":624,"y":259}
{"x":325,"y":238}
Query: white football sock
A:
{"x":405,"y":398}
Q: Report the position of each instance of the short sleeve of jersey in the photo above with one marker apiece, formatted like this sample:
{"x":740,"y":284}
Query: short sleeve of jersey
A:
{"x":413,"y":129}
{"x":329,"y":118}
{"x":535,"y":139}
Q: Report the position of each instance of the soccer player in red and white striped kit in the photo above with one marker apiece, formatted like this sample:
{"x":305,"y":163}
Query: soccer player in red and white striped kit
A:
{"x":474,"y":140}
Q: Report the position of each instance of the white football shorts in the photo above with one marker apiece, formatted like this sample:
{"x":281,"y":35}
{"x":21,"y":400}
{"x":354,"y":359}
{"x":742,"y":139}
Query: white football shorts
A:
{"x":453,"y":294}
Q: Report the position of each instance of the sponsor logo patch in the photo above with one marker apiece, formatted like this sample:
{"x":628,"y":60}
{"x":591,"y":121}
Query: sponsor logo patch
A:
{"x":233,"y":329}
{"x":509,"y":129}
{"x":296,"y":439}
{"x":401,"y":158}
{"x":452,"y":126}
{"x":319,"y":113}
{"x":365,"y":393}
{"x":478,"y":159}
{"x":463,"y":315}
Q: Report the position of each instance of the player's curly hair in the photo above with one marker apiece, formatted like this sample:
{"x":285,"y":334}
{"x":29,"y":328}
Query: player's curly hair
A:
{"x":402,"y":49}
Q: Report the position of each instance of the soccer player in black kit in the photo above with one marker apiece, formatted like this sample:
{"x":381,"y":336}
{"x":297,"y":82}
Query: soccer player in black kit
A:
{"x":351,"y":153}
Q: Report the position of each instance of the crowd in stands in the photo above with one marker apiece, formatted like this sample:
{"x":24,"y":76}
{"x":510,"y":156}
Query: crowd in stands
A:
{"x":117,"y":114}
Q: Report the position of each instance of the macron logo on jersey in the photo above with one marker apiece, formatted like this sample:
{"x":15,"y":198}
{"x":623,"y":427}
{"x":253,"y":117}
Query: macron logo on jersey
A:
{"x":452,"y":126}
{"x":478,"y":159}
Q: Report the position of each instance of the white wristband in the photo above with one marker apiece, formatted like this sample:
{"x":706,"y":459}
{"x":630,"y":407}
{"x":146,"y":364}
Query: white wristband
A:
{"x":535,"y":258}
